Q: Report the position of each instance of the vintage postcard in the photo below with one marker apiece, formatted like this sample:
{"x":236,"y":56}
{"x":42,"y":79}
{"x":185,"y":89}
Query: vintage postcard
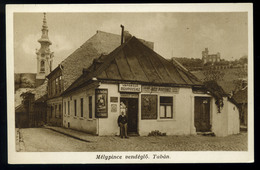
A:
{"x":121,"y":83}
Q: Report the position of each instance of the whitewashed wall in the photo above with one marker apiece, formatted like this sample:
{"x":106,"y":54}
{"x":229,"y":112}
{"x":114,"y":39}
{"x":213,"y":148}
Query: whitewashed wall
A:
{"x":77,"y":122}
{"x":182,"y":123}
{"x":227,"y":121}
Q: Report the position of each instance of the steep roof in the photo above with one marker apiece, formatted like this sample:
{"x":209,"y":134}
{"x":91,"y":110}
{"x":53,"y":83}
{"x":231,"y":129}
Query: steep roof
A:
{"x":134,"y":61}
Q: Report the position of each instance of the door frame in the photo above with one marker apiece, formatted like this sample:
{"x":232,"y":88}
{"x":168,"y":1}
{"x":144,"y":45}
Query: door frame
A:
{"x":137,"y":104}
{"x":210,"y":109}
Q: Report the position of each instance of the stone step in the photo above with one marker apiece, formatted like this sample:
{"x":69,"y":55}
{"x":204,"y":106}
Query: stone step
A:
{"x":206,"y":133}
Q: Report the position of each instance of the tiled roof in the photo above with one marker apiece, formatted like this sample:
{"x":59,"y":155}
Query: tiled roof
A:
{"x":100,"y":43}
{"x":134,"y":61}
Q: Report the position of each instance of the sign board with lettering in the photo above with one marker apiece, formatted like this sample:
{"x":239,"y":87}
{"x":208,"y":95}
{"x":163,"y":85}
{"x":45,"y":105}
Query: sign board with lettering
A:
{"x":159,"y":89}
{"x":129,"y":95}
{"x":129,"y":88}
{"x":113,"y":99}
{"x":101,"y":103}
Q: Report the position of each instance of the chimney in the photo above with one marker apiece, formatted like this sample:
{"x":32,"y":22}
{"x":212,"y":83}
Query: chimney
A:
{"x":122,"y":34}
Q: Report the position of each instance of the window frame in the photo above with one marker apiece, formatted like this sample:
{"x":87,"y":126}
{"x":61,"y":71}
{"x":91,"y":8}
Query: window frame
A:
{"x":81,"y":107}
{"x":65,"y":107}
{"x":68,"y":107}
{"x":165,"y":108}
{"x":90,"y":107}
{"x":75,"y":107}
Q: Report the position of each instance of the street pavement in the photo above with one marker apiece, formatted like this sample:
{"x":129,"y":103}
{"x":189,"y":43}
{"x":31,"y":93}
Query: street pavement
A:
{"x":57,"y":139}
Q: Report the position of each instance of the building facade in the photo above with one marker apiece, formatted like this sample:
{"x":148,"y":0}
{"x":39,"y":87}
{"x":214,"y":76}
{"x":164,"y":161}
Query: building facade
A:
{"x":158,"y":96}
{"x":212,"y":58}
{"x":70,"y":69}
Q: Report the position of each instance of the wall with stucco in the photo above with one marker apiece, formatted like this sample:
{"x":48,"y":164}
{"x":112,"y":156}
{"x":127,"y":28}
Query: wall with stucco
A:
{"x":108,"y":126}
{"x":233,"y":119}
{"x":181,"y":124}
{"x":52,"y":118}
{"x":77,"y":122}
{"x":224,"y":123}
{"x":227,"y":121}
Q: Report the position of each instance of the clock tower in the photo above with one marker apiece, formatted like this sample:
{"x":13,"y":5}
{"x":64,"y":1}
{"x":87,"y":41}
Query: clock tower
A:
{"x":44,"y":55}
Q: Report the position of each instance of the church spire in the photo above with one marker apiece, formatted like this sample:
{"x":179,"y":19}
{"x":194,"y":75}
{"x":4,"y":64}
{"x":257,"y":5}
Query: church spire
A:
{"x":44,"y":38}
{"x":44,"y":55}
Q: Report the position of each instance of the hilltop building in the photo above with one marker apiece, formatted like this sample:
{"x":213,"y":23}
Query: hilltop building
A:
{"x":206,"y":57}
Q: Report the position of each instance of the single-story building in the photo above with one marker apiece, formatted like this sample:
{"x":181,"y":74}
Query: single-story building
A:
{"x":158,"y":94}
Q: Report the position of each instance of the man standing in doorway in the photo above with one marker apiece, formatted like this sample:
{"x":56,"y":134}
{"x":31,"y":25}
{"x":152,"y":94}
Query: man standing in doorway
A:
{"x":122,"y":120}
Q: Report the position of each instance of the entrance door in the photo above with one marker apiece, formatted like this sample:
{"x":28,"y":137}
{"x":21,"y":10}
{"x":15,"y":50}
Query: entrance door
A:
{"x":202,"y":114}
{"x":131,"y":113}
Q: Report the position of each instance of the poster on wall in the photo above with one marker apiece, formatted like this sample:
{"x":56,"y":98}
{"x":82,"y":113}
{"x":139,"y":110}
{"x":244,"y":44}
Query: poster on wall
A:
{"x":101,"y":103}
{"x":149,"y":107}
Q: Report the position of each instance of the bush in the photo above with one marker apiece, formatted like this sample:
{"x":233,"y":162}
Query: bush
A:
{"x":156,"y":133}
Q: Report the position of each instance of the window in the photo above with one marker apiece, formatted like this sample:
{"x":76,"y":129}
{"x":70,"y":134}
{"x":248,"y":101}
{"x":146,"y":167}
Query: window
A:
{"x":59,"y":110}
{"x":56,"y":85}
{"x":68,"y":107}
{"x":166,"y":107}
{"x":75,"y":107}
{"x":56,"y":115}
{"x":60,"y":84}
{"x":42,"y":66}
{"x":64,"y":107}
{"x":81,"y":107}
{"x":90,"y":106}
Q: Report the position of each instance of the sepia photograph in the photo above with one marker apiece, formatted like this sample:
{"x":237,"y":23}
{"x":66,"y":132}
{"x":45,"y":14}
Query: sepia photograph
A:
{"x":129,"y":83}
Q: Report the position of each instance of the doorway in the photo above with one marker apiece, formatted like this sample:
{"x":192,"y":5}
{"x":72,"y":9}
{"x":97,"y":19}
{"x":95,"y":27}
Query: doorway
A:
{"x":132,"y":114}
{"x":202,"y":114}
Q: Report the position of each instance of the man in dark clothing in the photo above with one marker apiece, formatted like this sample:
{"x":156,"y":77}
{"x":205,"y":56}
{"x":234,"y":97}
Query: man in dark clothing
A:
{"x":122,"y":121}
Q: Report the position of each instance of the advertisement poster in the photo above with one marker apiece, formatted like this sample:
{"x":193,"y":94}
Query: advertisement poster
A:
{"x":149,"y":107}
{"x":101,"y":103}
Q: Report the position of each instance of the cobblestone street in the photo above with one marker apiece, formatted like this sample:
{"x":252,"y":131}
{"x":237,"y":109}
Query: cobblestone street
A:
{"x":46,"y":140}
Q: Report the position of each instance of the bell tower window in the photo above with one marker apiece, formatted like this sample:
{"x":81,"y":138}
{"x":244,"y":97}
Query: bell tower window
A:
{"x":42,"y":66}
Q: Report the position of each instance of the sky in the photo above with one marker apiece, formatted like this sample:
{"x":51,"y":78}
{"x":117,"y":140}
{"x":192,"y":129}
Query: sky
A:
{"x":173,"y":34}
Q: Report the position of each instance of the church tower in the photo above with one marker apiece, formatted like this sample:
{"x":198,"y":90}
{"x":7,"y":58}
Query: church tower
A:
{"x":44,"y":55}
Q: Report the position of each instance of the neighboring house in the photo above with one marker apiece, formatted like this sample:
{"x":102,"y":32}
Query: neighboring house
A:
{"x":159,"y":95}
{"x":71,"y":68}
{"x":32,"y":86}
{"x":212,"y":58}
{"x":241,"y":98}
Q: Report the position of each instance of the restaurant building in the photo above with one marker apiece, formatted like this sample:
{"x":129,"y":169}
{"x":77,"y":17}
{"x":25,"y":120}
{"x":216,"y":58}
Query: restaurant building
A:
{"x":159,"y":96}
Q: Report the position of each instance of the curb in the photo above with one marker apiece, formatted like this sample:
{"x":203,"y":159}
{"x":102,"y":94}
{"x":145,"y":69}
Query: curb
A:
{"x":72,"y":136}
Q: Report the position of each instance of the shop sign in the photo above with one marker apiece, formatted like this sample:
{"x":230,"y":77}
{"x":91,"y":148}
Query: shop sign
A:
{"x":113,"y":99}
{"x":159,"y":89}
{"x":129,"y":95}
{"x":129,"y":87}
{"x":101,"y":103}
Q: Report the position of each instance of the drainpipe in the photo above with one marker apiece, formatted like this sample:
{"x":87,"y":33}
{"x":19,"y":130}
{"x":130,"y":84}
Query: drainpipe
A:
{"x":122,"y":34}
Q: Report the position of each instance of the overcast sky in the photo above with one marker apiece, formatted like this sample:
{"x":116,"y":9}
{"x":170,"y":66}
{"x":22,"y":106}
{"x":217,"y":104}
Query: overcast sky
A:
{"x":173,"y":34}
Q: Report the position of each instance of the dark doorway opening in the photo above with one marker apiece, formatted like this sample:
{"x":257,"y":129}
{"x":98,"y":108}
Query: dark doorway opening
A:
{"x":202,"y":114}
{"x":132,"y":114}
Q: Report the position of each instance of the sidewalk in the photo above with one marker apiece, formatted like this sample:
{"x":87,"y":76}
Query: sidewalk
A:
{"x":73,"y":133}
